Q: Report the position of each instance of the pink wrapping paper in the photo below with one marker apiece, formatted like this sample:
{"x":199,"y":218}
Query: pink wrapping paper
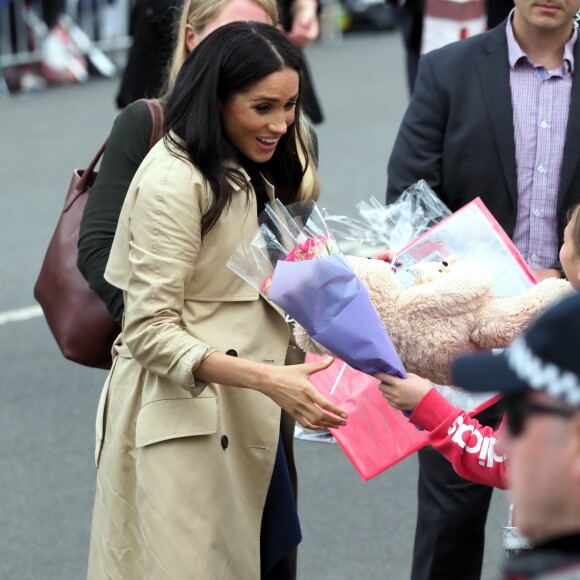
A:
{"x":376,"y":436}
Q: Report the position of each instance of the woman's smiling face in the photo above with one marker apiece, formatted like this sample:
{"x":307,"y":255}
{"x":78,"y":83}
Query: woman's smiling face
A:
{"x":255,"y":119}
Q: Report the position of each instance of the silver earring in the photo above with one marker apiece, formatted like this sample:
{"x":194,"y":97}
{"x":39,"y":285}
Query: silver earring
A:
{"x":577,"y":19}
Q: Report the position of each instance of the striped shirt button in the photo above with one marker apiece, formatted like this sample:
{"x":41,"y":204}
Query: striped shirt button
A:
{"x":544,"y":125}
{"x":534,"y":258}
{"x":537,"y":212}
{"x":541,"y":168}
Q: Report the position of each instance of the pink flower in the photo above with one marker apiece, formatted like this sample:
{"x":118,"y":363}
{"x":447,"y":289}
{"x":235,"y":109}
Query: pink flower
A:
{"x":313,"y":247}
{"x":265,"y":287}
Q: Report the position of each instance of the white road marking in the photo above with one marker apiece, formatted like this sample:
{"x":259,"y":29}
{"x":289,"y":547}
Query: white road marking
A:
{"x":20,"y":314}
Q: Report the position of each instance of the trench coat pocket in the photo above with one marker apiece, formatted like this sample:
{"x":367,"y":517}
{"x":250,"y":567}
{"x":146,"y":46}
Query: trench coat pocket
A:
{"x":175,"y":418}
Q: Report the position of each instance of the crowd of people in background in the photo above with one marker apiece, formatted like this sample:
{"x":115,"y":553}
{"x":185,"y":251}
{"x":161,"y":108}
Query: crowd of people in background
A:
{"x":55,"y":57}
{"x":42,"y":35}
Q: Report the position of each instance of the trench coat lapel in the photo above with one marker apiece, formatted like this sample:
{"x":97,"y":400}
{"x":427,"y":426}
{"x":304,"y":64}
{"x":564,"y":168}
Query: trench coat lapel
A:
{"x":571,"y":157}
{"x":495,"y":81}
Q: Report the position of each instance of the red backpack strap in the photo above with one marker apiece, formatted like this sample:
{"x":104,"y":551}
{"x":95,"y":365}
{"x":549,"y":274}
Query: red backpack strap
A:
{"x":156,"y":111}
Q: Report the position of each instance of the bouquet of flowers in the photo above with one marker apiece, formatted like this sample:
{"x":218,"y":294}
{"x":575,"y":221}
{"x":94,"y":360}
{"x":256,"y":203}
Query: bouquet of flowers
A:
{"x":296,"y":263}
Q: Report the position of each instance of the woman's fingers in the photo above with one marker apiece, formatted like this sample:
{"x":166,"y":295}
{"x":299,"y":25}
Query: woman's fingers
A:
{"x":324,"y":411}
{"x":319,"y":411}
{"x":338,"y":415}
{"x":319,"y":365}
{"x":307,"y":424}
{"x":296,"y":394}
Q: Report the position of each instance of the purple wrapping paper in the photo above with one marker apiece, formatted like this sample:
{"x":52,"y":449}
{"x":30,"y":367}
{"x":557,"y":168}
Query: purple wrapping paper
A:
{"x":325,"y":296}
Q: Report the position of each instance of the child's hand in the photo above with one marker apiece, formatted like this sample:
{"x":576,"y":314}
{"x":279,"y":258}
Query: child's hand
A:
{"x":403,"y":394}
{"x":385,"y":256}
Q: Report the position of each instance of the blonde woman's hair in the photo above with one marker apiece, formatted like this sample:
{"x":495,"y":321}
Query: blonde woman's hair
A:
{"x":198,"y":13}
{"x":310,"y":186}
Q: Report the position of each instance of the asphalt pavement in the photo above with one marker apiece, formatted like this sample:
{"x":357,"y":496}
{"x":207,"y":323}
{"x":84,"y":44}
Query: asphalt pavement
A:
{"x":352,"y":529}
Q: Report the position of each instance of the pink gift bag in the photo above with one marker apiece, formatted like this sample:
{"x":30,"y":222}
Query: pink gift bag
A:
{"x":376,"y":436}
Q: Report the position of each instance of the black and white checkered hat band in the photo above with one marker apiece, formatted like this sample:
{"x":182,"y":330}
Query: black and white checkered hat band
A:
{"x":542,"y":376}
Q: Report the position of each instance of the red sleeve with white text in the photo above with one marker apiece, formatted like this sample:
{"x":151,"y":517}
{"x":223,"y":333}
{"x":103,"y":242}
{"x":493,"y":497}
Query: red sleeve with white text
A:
{"x":462,"y":440}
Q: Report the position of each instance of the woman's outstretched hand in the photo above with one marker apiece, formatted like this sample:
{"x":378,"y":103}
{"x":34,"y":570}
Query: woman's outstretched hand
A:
{"x":290,"y":389}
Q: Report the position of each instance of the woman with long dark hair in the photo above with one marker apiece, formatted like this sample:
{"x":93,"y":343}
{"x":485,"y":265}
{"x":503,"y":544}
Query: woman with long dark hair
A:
{"x":194,"y":429}
{"x":195,"y":127}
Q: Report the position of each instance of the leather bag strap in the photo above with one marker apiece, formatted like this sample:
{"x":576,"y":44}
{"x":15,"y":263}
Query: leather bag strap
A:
{"x":82,"y":184}
{"x":157,"y":117}
{"x":156,"y":133}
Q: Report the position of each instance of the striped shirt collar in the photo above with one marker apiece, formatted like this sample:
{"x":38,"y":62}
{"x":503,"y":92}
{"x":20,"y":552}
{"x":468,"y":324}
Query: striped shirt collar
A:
{"x":515,"y":52}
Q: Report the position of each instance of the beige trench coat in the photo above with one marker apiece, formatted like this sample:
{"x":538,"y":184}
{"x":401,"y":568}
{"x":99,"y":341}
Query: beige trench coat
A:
{"x":183,"y":467}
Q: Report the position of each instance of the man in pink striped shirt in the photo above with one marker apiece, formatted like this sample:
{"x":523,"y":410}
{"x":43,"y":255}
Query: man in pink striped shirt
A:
{"x":495,"y":116}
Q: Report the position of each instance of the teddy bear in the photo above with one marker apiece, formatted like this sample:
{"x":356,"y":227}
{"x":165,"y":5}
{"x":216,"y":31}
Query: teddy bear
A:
{"x":450,"y":309}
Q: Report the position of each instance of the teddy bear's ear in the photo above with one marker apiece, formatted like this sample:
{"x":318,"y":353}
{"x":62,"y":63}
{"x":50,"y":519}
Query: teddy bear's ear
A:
{"x":447,"y":262}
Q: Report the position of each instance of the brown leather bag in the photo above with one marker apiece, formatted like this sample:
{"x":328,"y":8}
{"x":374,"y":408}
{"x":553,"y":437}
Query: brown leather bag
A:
{"x":79,"y":320}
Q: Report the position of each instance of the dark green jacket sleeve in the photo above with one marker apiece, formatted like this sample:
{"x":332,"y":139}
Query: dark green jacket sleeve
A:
{"x":126,"y":148}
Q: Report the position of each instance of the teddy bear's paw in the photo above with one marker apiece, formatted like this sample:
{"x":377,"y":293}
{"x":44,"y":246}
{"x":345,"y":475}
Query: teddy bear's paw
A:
{"x":542,"y":295}
{"x":307,"y":344}
{"x":501,"y":319}
{"x":551,"y":289}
